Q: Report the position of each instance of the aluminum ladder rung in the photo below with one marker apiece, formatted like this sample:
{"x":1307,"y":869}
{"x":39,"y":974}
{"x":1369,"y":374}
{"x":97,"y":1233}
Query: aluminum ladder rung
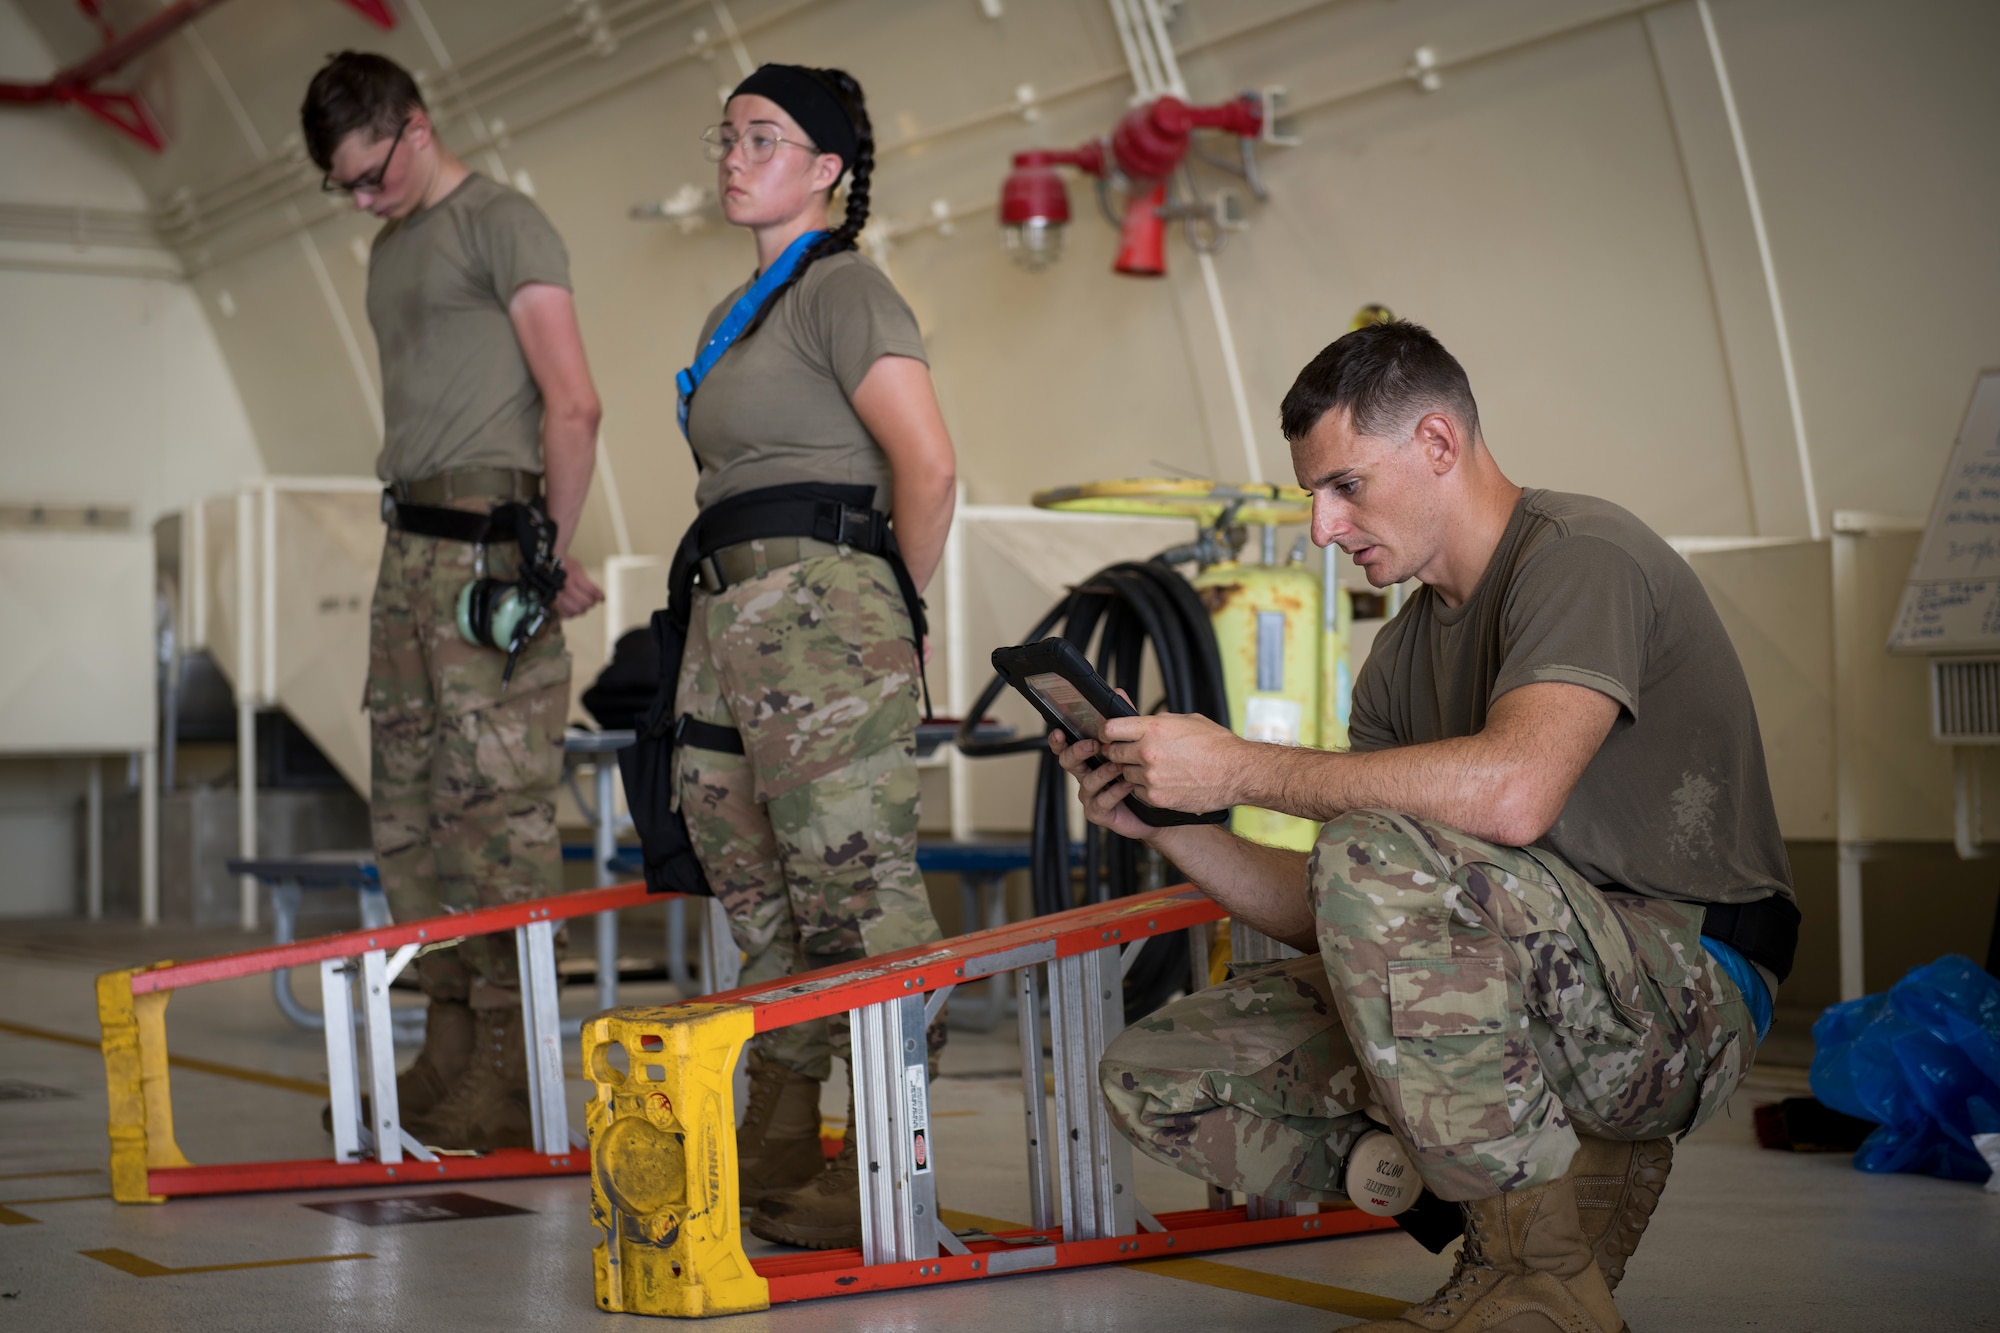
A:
{"x":541,"y":1031}
{"x":891,"y":1071}
{"x":1034,"y":1104}
{"x":1086,"y":1188}
{"x":371,"y":1057}
{"x":1093,"y":1161}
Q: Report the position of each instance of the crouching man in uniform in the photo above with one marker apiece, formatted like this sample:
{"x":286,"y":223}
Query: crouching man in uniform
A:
{"x":1549,"y":907}
{"x":487,"y":406}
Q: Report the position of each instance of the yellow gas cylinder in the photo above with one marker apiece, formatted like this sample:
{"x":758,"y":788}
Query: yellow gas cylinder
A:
{"x":1283,"y":668}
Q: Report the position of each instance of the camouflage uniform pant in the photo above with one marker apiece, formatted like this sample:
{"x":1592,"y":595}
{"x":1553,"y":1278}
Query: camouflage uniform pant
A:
{"x":1489,"y":1000}
{"x":809,"y":838}
{"x":462,"y":809}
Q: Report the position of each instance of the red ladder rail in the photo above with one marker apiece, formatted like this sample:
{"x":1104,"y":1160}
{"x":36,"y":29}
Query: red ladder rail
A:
{"x":147,"y":1164}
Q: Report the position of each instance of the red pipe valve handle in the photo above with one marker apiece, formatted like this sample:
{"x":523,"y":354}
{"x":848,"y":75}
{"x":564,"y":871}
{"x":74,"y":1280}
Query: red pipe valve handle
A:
{"x":1152,"y":139}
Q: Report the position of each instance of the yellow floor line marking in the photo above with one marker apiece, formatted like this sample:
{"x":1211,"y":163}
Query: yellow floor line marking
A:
{"x":1296,"y":1291}
{"x":43,"y":1175}
{"x":992,"y":1226}
{"x":1207,"y":1273}
{"x":127,"y":1262}
{"x":220,"y":1070}
{"x":23,"y":1030}
{"x":10,"y":1218}
{"x":305,"y":1085}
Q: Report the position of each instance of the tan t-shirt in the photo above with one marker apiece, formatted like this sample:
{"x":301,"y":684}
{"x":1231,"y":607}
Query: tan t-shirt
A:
{"x":775,"y":409}
{"x":1676,"y":803}
{"x":456,"y":390}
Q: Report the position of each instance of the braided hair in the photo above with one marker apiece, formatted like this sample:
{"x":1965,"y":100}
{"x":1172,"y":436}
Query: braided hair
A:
{"x":847,"y":91}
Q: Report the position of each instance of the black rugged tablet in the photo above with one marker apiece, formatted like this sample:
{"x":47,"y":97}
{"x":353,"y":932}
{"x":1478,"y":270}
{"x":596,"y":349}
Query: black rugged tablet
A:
{"x":1066,"y":690}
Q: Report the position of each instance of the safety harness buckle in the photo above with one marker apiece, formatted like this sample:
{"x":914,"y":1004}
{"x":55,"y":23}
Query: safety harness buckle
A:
{"x":709,"y":572}
{"x":846,"y":525}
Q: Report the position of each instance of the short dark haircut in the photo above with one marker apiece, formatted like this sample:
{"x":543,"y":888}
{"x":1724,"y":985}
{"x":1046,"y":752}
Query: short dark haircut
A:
{"x":355,"y":90}
{"x":1387,"y":376}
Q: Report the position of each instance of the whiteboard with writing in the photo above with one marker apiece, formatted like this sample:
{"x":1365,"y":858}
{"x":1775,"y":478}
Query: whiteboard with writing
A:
{"x":1952,"y":603}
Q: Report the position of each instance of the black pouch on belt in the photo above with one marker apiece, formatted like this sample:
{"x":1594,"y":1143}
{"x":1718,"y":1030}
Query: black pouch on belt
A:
{"x":647,"y":768}
{"x":832,"y":513}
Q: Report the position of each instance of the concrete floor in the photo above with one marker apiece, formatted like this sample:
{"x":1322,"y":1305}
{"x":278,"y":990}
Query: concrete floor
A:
{"x":1744,"y":1239}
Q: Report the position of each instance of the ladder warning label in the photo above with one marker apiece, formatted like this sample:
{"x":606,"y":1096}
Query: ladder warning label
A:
{"x":920,"y":1119}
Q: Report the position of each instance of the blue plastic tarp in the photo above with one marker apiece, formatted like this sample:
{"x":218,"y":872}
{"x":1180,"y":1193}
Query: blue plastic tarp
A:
{"x":1923,"y":1063}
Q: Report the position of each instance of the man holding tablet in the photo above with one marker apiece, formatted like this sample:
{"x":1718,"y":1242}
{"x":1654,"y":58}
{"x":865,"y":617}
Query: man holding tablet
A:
{"x":1549,"y":906}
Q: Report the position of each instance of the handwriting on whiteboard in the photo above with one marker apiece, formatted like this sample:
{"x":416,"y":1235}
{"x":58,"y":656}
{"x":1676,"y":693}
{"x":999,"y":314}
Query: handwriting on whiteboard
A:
{"x":1936,"y":612}
{"x":1952,"y":601}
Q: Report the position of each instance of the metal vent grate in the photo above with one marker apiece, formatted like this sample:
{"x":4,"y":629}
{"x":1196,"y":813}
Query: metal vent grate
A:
{"x":1965,"y":700}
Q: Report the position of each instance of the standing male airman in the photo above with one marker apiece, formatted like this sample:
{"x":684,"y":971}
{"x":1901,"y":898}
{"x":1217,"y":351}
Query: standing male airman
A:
{"x":488,"y":407}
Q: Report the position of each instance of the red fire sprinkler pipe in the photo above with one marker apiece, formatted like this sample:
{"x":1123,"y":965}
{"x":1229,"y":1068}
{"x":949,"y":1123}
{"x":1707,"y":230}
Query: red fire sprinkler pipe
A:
{"x":125,"y":111}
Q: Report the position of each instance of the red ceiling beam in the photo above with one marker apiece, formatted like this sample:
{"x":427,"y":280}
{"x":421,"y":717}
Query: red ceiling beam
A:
{"x":375,"y":11}
{"x":125,"y":112}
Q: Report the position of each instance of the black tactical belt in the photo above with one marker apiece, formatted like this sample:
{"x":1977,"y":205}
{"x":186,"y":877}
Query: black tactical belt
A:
{"x":453,"y":525}
{"x":791,"y":530}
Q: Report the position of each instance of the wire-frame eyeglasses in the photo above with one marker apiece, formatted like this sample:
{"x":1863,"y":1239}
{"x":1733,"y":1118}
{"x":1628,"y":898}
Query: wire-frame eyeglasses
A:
{"x":719,"y":141}
{"x":369,"y":181}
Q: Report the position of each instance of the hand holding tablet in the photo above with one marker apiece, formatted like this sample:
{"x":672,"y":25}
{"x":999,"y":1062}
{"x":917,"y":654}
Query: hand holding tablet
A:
{"x":1067,"y":691}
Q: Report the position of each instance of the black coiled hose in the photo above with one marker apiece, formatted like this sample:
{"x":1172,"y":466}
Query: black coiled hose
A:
{"x":1125,"y":608}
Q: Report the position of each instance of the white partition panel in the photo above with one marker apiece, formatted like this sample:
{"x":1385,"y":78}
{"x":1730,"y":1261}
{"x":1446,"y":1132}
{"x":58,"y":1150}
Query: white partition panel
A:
{"x":321,"y":548}
{"x":1895,"y":782}
{"x":77,"y":674}
{"x":1775,"y":597}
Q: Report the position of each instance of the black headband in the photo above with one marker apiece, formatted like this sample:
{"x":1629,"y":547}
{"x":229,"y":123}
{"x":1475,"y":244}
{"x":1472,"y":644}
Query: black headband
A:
{"x":810,"y":102}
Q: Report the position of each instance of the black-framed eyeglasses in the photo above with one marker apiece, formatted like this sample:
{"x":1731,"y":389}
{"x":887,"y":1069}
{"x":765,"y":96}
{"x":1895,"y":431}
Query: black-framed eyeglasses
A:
{"x":719,"y":141}
{"x":372,"y":181}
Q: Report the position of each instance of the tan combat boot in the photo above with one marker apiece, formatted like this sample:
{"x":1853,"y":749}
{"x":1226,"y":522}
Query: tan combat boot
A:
{"x":1524,"y":1267}
{"x":1618,"y":1185}
{"x":487,"y":1107}
{"x":447,"y":1048}
{"x":825,"y":1212}
{"x":778,"y":1147}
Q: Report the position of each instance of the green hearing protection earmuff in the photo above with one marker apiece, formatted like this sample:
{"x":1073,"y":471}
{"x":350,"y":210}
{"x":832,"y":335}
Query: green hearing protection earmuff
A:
{"x":505,"y":614}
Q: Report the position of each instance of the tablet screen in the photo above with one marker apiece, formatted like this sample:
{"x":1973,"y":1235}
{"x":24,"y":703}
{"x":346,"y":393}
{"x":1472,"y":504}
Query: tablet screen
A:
{"x":1079,"y":718}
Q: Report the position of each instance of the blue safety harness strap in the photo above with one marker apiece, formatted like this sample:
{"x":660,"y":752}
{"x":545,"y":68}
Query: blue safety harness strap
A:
{"x":739,"y":316}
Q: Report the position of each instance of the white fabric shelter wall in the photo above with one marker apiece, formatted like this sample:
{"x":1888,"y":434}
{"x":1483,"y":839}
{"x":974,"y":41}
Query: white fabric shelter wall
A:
{"x":77,"y":675}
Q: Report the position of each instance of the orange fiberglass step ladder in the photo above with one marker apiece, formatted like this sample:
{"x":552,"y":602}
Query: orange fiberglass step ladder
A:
{"x":663,"y":1128}
{"x":355,"y":971}
{"x":662,"y":1120}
